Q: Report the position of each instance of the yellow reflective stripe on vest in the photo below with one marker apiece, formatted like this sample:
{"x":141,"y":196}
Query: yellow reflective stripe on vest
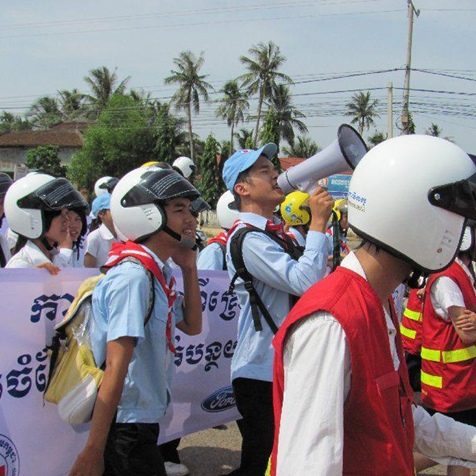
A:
{"x":459,"y":355}
{"x":431,"y":380}
{"x":413,"y":315}
{"x":429,"y":354}
{"x":407,"y":332}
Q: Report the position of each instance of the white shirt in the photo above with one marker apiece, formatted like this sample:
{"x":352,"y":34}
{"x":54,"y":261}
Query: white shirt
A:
{"x":30,"y":256}
{"x":318,"y":378}
{"x":445,"y":293}
{"x":99,"y":243}
{"x":5,"y":248}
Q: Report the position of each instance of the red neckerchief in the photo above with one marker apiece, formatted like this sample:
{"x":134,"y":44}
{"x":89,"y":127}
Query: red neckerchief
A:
{"x":119,"y":251}
{"x":220,"y":238}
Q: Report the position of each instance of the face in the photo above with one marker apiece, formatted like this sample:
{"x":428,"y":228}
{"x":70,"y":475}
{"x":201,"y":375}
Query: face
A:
{"x":106,"y":218}
{"x":344,"y":221}
{"x":262,"y":185}
{"x":179,"y":217}
{"x":75,"y":224}
{"x":58,"y":228}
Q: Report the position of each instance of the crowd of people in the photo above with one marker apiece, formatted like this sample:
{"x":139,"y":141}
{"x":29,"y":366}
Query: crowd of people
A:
{"x":330,"y":376}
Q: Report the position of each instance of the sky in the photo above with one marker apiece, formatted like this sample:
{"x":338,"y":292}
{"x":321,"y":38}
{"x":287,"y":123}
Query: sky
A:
{"x":51,"y":45}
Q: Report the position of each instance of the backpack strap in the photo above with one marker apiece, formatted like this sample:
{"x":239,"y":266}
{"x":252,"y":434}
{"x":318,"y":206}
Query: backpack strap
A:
{"x":236,"y":251}
{"x":223,"y":250}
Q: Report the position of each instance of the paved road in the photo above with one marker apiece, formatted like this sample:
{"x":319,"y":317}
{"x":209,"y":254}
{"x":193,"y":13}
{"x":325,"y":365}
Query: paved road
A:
{"x":217,"y":452}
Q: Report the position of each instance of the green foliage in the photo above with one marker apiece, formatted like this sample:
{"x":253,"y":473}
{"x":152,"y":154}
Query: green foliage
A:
{"x":170,"y":136}
{"x":302,"y":148}
{"x":9,"y":122}
{"x":270,"y":133}
{"x":210,"y":183}
{"x":363,"y":110}
{"x":376,"y":138}
{"x":244,"y":138}
{"x":45,"y":159}
{"x":120,"y":141}
{"x":45,"y":112}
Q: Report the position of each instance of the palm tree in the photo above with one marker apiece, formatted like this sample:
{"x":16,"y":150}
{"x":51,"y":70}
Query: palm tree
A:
{"x":103,"y":85}
{"x":376,"y":138}
{"x":286,"y":114}
{"x":71,"y":103}
{"x":434,"y":130}
{"x":363,"y":109}
{"x":263,"y":74}
{"x":304,"y":148}
{"x":244,"y":137}
{"x":191,"y":86}
{"x":234,"y":106}
{"x":45,"y":112}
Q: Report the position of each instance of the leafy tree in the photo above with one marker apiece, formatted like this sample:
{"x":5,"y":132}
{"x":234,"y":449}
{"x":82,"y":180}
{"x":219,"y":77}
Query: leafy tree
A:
{"x":234,"y":106}
{"x":270,"y":132}
{"x":192,"y":85}
{"x":210,"y":183}
{"x":45,"y":112}
{"x":120,"y":141}
{"x":376,"y":138}
{"x":434,"y":130}
{"x":262,"y":76}
{"x":225,"y":151}
{"x":45,"y":159}
{"x":411,"y":124}
{"x":103,"y":85}
{"x":302,"y":148}
{"x":363,"y":110}
{"x":244,"y":138}
{"x":10,"y":122}
{"x":287,"y":116}
{"x":170,"y":136}
{"x":71,"y":103}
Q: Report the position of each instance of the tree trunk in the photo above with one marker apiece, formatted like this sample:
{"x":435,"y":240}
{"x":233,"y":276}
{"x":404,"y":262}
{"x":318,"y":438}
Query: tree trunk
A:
{"x":231,"y":138}
{"x":190,"y":133}
{"x":260,"y":104}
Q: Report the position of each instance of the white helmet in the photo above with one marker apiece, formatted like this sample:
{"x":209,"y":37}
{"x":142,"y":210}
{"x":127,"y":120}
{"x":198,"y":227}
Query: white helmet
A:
{"x":105,"y":185}
{"x":411,"y":195}
{"x":184,"y":166}
{"x":227,"y":213}
{"x":30,"y":197}
{"x":468,"y":241}
{"x":138,"y":199}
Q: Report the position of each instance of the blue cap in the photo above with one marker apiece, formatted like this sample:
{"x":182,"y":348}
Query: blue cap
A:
{"x":242,"y":160}
{"x":103,"y":202}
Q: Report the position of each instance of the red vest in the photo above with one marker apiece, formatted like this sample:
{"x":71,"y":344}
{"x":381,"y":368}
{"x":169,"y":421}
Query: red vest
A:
{"x":411,"y":327}
{"x":378,"y":421}
{"x":448,"y":377}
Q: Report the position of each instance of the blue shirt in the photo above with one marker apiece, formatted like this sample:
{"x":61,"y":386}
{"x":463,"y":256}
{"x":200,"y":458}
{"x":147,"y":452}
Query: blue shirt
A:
{"x":276,"y":277}
{"x":211,"y":258}
{"x":120,"y":302}
{"x":301,"y":241}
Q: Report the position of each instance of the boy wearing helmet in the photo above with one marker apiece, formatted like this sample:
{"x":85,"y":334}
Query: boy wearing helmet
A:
{"x":343,"y":403}
{"x":151,"y":210}
{"x":276,"y":278}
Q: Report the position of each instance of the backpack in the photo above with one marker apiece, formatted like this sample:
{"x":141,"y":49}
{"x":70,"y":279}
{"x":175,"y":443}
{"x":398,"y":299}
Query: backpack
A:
{"x":236,"y":252}
{"x":74,"y":377}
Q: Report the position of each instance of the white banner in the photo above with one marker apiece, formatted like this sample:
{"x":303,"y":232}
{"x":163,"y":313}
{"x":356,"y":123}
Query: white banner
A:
{"x":33,"y":439}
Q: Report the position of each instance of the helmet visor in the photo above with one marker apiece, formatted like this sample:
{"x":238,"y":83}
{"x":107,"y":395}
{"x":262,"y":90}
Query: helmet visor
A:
{"x":199,"y":205}
{"x":458,"y":197}
{"x":5,"y":182}
{"x":110,"y":184}
{"x":159,"y":186}
{"x":54,"y":196}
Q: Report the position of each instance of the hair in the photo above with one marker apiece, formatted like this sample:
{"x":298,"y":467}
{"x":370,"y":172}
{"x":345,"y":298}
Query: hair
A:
{"x":242,"y":177}
{"x":21,"y":242}
{"x":95,"y":224}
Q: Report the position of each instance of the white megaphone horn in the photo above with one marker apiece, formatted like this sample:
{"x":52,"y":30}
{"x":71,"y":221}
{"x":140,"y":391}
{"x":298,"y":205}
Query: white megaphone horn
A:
{"x":342,"y":155}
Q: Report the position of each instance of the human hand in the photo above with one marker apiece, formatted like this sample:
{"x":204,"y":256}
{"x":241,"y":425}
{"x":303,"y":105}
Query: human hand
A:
{"x":421,"y":293}
{"x":320,"y":203}
{"x":185,"y":258}
{"x":66,"y":240}
{"x":50,"y":267}
{"x":466,"y":321}
{"x":88,"y":463}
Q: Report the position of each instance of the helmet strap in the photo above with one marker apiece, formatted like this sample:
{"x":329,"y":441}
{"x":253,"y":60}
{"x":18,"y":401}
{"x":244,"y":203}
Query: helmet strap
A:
{"x":47,"y":245}
{"x":185,"y":241}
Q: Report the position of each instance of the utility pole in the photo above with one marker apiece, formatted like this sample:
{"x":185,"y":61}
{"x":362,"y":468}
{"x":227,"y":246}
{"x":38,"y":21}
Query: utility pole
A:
{"x":390,"y":110}
{"x":406,"y":95}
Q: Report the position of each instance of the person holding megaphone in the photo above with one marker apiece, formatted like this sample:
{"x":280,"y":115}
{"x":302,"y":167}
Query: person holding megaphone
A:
{"x":269,"y":273}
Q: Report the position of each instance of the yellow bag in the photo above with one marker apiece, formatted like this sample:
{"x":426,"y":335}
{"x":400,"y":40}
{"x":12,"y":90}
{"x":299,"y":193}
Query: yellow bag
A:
{"x":74,"y":377}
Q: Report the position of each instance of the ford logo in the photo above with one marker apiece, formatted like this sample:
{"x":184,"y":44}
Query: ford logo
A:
{"x":219,"y":401}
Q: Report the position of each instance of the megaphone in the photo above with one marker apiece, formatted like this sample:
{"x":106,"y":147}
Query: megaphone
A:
{"x":342,"y":155}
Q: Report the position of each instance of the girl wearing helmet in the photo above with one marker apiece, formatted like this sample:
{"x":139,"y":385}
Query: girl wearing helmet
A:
{"x":297,"y":215}
{"x":102,"y":235}
{"x":5,"y":182}
{"x":36,"y":207}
